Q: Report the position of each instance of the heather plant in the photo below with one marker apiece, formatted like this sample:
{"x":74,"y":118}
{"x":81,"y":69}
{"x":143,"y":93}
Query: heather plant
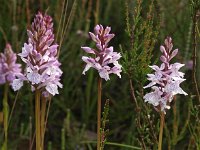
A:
{"x":104,"y":121}
{"x":195,"y":111}
{"x":142,"y":31}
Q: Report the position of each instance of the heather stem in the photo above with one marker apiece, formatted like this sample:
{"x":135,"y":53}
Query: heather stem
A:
{"x":195,"y":54}
{"x":162,"y":119}
{"x":133,"y":94}
{"x":5,"y":113}
{"x":37,"y":119}
{"x":99,"y":113}
{"x":43,"y":112}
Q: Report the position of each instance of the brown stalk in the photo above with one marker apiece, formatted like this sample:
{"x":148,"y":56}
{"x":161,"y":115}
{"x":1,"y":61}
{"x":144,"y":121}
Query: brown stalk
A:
{"x":194,"y":30}
{"x":97,"y":12}
{"x":99,"y":113}
{"x":133,"y":94}
{"x":28,"y":14}
{"x":162,"y":120}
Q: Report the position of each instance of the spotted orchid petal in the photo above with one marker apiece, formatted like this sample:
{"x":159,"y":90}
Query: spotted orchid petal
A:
{"x":42,"y":66}
{"x":166,"y":79}
{"x":106,"y":61}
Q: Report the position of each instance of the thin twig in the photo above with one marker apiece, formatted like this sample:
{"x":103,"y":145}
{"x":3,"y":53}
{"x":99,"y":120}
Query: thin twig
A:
{"x":151,"y":126}
{"x":30,"y":134}
{"x":16,"y":97}
{"x":175,"y":125}
{"x":59,"y":24}
{"x":64,"y":28}
{"x":99,"y":113}
{"x":97,"y":12}
{"x":31,"y":146}
{"x":4,"y":34}
{"x":114,"y":144}
{"x":47,"y":114}
{"x":133,"y":94}
{"x":89,"y":10}
{"x":195,"y":51}
{"x":28,"y":14}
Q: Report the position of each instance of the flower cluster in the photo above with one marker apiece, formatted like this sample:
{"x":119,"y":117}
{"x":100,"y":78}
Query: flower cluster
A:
{"x":39,"y":54}
{"x":105,"y":61}
{"x":9,"y":69}
{"x":166,"y":80}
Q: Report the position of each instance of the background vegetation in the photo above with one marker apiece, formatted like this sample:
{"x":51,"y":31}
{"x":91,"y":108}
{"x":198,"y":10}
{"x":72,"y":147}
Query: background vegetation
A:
{"x":140,"y":27}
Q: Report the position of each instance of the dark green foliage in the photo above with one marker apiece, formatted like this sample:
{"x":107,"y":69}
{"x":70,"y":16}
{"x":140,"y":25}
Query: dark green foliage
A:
{"x":142,"y":30}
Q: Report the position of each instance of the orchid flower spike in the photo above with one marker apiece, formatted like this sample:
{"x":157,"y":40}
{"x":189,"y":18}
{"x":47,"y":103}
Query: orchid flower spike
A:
{"x":9,"y":69}
{"x":40,"y":55}
{"x":166,"y":80}
{"x":104,"y":59}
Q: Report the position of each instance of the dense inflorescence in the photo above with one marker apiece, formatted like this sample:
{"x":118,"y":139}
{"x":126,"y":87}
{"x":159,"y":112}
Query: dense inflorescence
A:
{"x":9,"y":69}
{"x":165,"y":82}
{"x":105,"y":60}
{"x":42,"y":67}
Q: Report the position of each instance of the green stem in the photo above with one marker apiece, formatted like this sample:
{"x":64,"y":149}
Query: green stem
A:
{"x":162,"y":118}
{"x":62,"y":139}
{"x":47,"y":114}
{"x":195,"y":41}
{"x":114,"y":144}
{"x":43,"y":112}
{"x":37,"y":120}
{"x":5,"y":113}
{"x":97,"y":12}
{"x":99,"y":113}
{"x":175,"y":124}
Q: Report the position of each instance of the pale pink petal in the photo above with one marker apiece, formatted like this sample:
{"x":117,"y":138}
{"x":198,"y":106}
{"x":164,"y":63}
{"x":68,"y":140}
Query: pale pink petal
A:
{"x":52,"y":89}
{"x":88,"y":50}
{"x":97,"y":29}
{"x":34,"y":77}
{"x":87,"y":67}
{"x":26,"y":50}
{"x":107,"y":30}
{"x":104,"y":74}
{"x":94,"y":38}
{"x":17,"y":84}
{"x":174,"y":53}
{"x":174,"y":88}
{"x":109,"y":49}
{"x":153,"y":97}
{"x":162,"y":49}
{"x":163,"y":59}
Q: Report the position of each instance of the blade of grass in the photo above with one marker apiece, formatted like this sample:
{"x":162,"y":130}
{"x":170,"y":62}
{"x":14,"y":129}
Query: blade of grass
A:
{"x":113,"y":144}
